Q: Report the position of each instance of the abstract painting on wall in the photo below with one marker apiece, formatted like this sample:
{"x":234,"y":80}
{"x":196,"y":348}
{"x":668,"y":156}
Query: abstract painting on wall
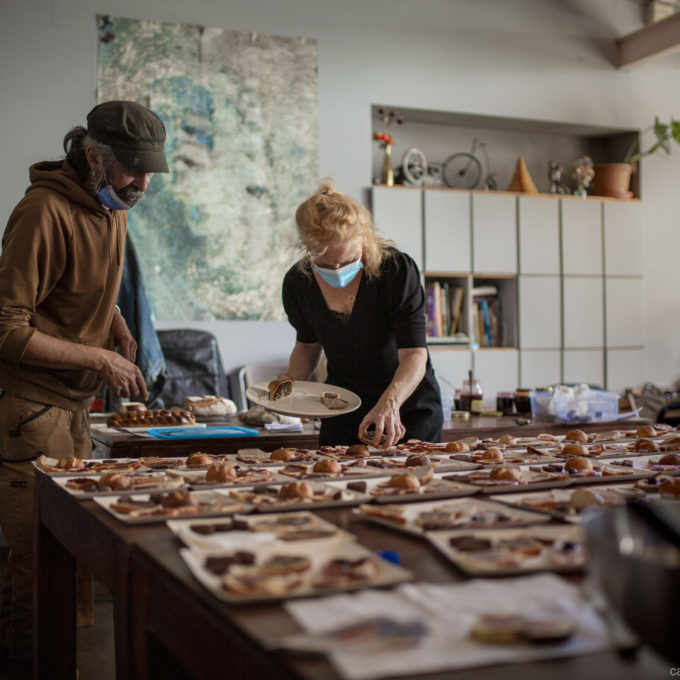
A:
{"x":216,"y":235}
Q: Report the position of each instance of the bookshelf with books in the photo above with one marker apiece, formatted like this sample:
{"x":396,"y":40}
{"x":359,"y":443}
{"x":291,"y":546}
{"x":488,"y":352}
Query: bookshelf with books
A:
{"x":525,"y":313}
{"x":446,"y":309}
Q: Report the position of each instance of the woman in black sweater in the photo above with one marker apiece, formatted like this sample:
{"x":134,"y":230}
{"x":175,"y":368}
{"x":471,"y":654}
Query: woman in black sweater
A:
{"x":361,"y":301}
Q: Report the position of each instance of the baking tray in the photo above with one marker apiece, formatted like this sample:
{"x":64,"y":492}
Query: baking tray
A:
{"x":212,"y":500}
{"x":261,"y":504}
{"x":437,"y":488}
{"x":387,"y":573}
{"x":612,"y":495}
{"x":284,"y":527}
{"x":500,"y":561}
{"x":63,"y":480}
{"x":479,"y":479}
{"x":473,"y":513}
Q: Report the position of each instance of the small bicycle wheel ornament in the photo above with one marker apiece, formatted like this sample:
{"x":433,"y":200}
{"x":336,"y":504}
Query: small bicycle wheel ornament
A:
{"x":462,"y":171}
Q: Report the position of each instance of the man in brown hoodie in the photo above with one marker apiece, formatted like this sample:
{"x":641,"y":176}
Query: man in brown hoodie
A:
{"x":60,"y":269}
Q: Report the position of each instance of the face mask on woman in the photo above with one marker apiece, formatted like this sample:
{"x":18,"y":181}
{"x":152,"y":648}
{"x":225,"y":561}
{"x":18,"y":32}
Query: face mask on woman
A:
{"x":339,"y":278}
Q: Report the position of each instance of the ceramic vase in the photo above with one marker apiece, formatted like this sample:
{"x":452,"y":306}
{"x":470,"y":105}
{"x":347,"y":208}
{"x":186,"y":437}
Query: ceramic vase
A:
{"x":387,"y":169}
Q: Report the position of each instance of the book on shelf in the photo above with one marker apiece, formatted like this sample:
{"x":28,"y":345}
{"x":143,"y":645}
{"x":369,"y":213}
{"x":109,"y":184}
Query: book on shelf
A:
{"x":456,"y":295}
{"x":429,"y":310}
{"x":446,"y":310}
{"x":484,"y":307}
{"x":484,"y":291}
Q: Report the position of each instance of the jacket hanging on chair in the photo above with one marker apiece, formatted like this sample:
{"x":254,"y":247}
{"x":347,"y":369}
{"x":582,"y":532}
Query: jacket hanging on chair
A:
{"x":135,"y":309}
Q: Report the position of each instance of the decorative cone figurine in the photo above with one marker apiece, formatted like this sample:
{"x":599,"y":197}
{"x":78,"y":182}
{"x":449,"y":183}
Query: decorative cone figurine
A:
{"x":521,"y":180}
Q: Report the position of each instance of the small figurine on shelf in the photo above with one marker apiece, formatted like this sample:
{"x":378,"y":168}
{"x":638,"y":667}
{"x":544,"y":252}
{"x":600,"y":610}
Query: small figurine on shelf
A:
{"x":387,"y":118}
{"x":555,"y":174}
{"x":582,"y":172}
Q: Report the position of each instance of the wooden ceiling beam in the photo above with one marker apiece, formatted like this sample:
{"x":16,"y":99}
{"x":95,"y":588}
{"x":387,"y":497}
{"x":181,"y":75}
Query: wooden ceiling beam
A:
{"x":660,"y":37}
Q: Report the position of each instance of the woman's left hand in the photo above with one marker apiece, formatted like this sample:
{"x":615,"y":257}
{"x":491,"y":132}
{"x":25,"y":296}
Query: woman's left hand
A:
{"x":386,"y":419}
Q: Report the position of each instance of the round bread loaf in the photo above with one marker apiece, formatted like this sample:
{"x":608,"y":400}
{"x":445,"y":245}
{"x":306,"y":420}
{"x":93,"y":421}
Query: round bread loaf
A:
{"x":284,"y":455}
{"x":576,"y":436}
{"x":199,"y":460}
{"x":358,"y":451}
{"x":220,"y":471}
{"x":327,"y":466}
{"x":670,"y":459}
{"x":574,"y":450}
{"x":578,"y":464}
{"x":457,"y":447}
{"x":646,"y":431}
{"x":295,"y":490}
{"x":406,"y":481}
{"x":506,"y":472}
{"x":645,"y":445}
{"x":492,"y":453}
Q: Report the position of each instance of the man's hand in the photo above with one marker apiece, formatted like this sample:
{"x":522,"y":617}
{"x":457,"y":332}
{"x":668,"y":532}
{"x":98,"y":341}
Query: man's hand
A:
{"x":122,"y":337}
{"x":123,"y":378}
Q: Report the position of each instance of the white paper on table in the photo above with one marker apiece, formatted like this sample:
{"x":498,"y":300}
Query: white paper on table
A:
{"x":449,"y":610}
{"x":283,"y":427}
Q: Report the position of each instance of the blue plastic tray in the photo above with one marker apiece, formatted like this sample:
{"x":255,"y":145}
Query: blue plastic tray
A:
{"x":201,"y":432}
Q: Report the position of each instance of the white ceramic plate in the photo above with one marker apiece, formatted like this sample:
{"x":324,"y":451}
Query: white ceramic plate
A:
{"x":305,"y":400}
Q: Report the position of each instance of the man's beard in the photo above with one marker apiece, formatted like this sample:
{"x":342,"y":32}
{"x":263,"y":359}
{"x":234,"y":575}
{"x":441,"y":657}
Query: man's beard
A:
{"x":130,"y":195}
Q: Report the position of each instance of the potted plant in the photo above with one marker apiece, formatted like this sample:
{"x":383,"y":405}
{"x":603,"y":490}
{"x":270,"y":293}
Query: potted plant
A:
{"x":612,"y":179}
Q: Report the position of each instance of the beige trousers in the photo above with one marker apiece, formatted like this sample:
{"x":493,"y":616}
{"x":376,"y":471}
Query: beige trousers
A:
{"x":27,"y":430}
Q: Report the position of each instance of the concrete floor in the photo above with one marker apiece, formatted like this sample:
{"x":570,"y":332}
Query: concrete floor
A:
{"x":95,"y":643}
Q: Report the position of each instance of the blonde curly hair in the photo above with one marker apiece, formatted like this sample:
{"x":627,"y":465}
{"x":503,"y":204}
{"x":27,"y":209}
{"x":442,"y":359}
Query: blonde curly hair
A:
{"x":330,"y":218}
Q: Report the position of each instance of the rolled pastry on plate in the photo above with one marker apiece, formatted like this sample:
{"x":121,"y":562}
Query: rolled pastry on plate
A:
{"x":278,"y":389}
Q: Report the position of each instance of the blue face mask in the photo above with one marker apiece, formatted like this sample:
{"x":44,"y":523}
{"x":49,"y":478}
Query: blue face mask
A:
{"x":110,"y":199}
{"x":339,"y":278}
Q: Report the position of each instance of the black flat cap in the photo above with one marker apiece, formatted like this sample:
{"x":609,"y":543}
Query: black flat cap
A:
{"x":135,"y":134}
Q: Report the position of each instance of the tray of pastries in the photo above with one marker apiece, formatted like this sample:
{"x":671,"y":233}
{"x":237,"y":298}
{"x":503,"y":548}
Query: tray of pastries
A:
{"x":414,"y":485}
{"x":150,"y":418}
{"x":89,"y":486}
{"x":239,"y":530}
{"x":158,"y":507}
{"x":572,"y":505}
{"x":502,"y":552}
{"x":70,"y":465}
{"x":510,"y":478}
{"x":297,"y":496}
{"x":273,"y":571}
{"x":442,"y":515}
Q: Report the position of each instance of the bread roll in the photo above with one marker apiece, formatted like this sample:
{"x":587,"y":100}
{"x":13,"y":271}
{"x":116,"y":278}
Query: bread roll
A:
{"x":645,"y":445}
{"x":457,"y":447}
{"x":328,"y":466}
{"x":406,"y":481}
{"x":576,"y":436}
{"x":492,"y":453}
{"x":210,"y":405}
{"x":574,"y":450}
{"x":220,"y":471}
{"x":417,"y":459}
{"x":506,"y":472}
{"x":670,"y":486}
{"x":670,"y":459}
{"x":199,"y":460}
{"x":299,"y":490}
{"x":284,"y":455}
{"x":578,"y":464}
{"x":507,"y":440}
{"x":646,"y":431}
{"x":358,"y":451}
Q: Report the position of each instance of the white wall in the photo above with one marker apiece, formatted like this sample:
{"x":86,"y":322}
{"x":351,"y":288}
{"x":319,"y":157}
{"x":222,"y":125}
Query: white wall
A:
{"x":537,"y":59}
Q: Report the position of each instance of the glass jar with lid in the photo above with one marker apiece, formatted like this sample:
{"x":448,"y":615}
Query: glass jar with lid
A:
{"x":471,"y":396}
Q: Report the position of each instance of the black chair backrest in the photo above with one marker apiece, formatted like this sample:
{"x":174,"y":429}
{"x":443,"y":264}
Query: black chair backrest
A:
{"x":194,"y":365}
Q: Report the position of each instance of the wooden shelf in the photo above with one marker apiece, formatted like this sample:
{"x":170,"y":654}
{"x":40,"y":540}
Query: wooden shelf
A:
{"x":510,"y":193}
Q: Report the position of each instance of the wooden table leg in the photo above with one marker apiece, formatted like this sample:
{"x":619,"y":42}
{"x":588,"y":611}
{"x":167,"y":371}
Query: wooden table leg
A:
{"x":54,"y":600}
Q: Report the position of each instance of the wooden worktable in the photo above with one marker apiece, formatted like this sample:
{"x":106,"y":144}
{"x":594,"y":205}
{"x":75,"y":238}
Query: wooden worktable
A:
{"x":168,"y":626}
{"x":126,"y":445}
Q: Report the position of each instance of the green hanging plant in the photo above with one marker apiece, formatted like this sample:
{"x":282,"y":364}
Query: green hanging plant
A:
{"x":664,"y":133}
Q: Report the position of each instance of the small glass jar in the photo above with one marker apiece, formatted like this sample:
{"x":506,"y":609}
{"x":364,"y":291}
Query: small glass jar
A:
{"x":523,"y":401}
{"x":471,"y":396}
{"x":505,"y":403}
